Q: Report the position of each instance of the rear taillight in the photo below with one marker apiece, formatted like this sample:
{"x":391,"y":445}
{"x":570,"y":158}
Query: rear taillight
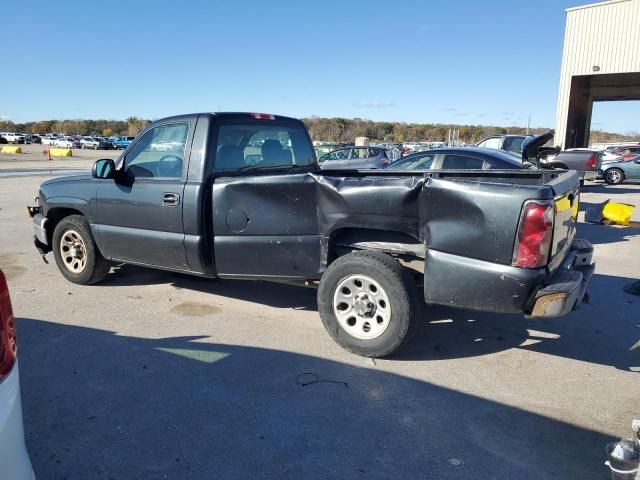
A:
{"x":533,"y":241}
{"x":591,"y":163}
{"x":8,"y":345}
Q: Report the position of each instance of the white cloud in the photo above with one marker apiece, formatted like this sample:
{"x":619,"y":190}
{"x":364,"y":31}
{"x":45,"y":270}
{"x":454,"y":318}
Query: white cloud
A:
{"x":375,"y":104}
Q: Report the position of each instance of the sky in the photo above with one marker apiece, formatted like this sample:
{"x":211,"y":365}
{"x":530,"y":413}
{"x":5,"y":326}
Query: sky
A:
{"x":465,"y":62}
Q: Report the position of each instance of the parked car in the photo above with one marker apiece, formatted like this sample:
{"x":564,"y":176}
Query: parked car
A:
{"x":607,"y":157}
{"x":36,"y":139}
{"x":496,"y":241}
{"x":93,"y":142}
{"x":67,"y":142}
{"x":14,"y":459}
{"x":616,"y":173}
{"x":586,"y":162}
{"x":14,"y":137}
{"x":49,"y":141}
{"x":627,"y":151}
{"x":356,"y":157}
{"x":122,"y":142}
{"x":510,"y":143}
{"x":460,"y":159}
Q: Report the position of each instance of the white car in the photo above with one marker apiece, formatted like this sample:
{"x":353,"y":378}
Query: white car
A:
{"x":67,"y":142}
{"x":49,"y":141}
{"x":14,"y":459}
{"x":13,"y":137}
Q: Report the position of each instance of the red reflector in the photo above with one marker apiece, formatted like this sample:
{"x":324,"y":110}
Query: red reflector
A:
{"x":591,"y":163}
{"x":8,"y":344}
{"x":533,"y":242}
{"x":263,"y":116}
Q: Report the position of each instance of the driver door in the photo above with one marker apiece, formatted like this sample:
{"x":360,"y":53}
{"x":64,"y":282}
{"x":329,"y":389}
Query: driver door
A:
{"x":139,"y":213}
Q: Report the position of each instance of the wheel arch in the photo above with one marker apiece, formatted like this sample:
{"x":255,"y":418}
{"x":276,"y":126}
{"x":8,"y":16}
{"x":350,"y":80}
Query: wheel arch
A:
{"x":344,"y":240}
{"x":55,"y":215}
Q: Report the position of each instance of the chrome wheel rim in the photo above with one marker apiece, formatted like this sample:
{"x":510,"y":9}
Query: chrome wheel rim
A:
{"x":362,"y":307}
{"x":73,"y":251}
{"x":613,"y":176}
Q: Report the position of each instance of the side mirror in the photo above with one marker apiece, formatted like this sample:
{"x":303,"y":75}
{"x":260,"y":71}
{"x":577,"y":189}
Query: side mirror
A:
{"x":103,"y":168}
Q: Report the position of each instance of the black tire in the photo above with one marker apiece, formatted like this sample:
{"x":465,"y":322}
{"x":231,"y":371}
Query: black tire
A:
{"x":614,"y":176}
{"x":396,"y":284}
{"x":96,"y":267}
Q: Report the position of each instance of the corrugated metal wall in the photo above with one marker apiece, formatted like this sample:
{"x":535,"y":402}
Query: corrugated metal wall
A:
{"x":605,"y":34}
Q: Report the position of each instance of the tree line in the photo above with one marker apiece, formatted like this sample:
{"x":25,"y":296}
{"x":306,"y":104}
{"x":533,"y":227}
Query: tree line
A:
{"x":346,"y":130}
{"x":341,"y":130}
{"x":131,"y":126}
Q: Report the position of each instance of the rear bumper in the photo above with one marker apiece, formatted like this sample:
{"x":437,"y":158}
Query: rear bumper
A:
{"x":479,"y":285}
{"x":568,"y":286}
{"x":591,"y":174}
{"x":14,"y":459}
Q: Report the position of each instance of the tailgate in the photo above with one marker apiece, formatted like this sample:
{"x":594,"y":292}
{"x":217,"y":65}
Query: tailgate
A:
{"x":566,"y":196}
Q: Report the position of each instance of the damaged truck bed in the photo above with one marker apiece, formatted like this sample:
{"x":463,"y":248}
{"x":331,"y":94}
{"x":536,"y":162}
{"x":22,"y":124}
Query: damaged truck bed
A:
{"x":242,"y":196}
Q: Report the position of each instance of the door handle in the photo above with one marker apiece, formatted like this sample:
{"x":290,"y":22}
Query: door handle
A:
{"x":170,"y":199}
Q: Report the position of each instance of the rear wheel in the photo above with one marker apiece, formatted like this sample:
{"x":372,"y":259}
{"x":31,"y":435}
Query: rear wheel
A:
{"x":614,"y":176}
{"x":367,"y":304}
{"x":76,"y":253}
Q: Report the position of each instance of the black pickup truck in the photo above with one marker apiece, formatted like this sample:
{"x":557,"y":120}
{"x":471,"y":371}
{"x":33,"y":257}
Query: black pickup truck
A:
{"x":239,"y":195}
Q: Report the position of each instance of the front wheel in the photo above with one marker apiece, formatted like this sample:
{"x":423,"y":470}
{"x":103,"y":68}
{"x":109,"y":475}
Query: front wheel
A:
{"x":367,"y":303}
{"x":76,"y":253}
{"x":613,"y":176}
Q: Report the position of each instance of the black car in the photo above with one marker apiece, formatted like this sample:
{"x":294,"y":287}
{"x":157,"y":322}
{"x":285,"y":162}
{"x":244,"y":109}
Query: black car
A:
{"x":466,"y":158}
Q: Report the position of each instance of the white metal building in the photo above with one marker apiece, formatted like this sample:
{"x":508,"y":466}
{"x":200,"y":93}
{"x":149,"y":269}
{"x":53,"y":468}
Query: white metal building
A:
{"x":600,"y":62}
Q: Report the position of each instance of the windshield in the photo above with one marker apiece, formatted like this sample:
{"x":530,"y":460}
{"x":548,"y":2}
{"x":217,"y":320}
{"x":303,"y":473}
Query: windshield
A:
{"x":262,"y":145}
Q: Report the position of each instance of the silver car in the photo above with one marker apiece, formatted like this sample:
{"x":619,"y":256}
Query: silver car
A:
{"x":356,"y":157}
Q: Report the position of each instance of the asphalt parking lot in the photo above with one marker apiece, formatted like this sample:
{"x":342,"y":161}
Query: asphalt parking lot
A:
{"x":154,"y":375}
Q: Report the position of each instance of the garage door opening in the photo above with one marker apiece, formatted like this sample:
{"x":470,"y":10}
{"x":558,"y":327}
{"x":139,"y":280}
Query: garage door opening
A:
{"x":615,"y":122}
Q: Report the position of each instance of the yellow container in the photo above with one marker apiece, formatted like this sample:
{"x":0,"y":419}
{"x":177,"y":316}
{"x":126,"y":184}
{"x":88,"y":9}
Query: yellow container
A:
{"x":61,"y":152}
{"x":619,"y":213}
{"x":7,"y":149}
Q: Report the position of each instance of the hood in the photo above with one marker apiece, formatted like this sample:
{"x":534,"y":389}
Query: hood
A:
{"x":531,"y":144}
{"x":71,"y":178}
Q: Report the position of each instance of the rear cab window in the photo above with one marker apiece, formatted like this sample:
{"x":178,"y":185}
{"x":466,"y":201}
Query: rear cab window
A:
{"x":256,"y":145}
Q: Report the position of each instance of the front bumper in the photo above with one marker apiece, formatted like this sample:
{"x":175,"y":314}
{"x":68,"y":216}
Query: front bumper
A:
{"x":39,"y":223}
{"x":14,"y":459}
{"x":568,"y":285}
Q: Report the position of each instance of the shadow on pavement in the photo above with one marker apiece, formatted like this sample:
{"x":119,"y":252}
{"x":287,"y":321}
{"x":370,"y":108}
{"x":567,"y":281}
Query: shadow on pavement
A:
{"x":103,"y":406}
{"x":609,"y":189}
{"x":447,"y":333}
{"x":601,"y":332}
{"x":600,"y":234}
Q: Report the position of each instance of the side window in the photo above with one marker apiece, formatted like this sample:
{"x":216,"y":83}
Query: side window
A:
{"x":423,"y":162}
{"x":462,"y":162}
{"x":513,"y":144}
{"x":493,"y":142}
{"x":159,"y":153}
{"x":338,"y":155}
{"x":359,"y":153}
